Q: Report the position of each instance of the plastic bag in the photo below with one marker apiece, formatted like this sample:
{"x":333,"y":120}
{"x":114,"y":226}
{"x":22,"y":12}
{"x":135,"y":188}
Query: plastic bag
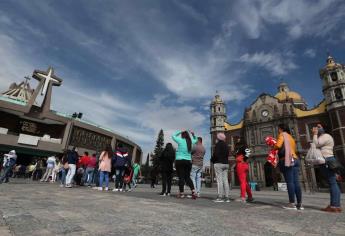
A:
{"x":314,"y":155}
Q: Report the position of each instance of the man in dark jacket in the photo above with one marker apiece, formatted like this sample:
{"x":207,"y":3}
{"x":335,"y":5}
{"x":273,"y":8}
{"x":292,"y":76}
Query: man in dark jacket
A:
{"x":72,"y":159}
{"x":221,"y":167}
{"x":120,"y":161}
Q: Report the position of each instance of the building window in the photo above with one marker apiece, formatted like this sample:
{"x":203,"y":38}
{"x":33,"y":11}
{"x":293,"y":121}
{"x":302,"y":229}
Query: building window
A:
{"x":214,"y":121}
{"x":338,"y":94}
{"x":334,"y":76}
{"x":218,"y":108}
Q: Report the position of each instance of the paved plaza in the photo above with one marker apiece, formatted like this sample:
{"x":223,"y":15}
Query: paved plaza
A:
{"x":32,"y":208}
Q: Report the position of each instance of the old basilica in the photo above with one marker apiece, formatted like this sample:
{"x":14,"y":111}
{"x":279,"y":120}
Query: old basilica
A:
{"x":262,"y":117}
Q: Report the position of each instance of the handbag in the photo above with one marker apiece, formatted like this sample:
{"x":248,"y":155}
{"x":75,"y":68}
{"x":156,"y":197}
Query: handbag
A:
{"x":334,"y":165}
{"x":314,"y":155}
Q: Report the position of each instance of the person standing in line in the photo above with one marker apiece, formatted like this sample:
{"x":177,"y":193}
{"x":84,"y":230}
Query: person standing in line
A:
{"x":120,"y":161}
{"x":83,"y":162}
{"x":51,"y":163}
{"x":105,"y":167}
{"x":136,"y":173}
{"x":37,"y":174}
{"x":63,"y":169}
{"x":183,"y":162}
{"x":128,"y":175}
{"x":72,"y":158}
{"x":167,"y":164}
{"x":198,"y":153}
{"x":8,"y":163}
{"x":90,"y":168}
{"x":221,"y":167}
{"x":325,"y":143}
{"x":289,"y":165}
{"x":242,"y":169}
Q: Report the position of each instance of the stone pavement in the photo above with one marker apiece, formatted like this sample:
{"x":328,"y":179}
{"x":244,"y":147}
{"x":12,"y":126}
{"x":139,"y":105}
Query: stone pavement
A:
{"x":32,"y":208}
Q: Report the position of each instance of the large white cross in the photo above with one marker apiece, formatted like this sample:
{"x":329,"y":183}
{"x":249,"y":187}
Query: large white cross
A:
{"x":47,"y":79}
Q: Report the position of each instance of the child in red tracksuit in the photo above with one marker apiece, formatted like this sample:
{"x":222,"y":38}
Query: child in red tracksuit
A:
{"x":242,"y":169}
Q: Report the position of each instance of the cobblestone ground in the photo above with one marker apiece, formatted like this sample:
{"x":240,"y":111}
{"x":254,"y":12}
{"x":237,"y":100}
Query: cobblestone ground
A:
{"x":31,"y":208}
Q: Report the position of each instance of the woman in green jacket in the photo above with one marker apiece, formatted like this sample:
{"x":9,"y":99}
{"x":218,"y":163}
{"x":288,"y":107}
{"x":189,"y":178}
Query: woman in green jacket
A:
{"x":183,"y":162}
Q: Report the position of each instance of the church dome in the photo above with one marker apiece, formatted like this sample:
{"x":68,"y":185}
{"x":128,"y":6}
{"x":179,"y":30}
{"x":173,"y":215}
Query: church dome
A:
{"x":284,"y":94}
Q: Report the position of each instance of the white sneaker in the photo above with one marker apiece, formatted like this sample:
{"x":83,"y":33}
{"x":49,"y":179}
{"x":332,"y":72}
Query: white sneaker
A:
{"x":106,"y":189}
{"x":120,"y":189}
{"x":130,"y":190}
{"x":115,"y":190}
{"x":100,"y":188}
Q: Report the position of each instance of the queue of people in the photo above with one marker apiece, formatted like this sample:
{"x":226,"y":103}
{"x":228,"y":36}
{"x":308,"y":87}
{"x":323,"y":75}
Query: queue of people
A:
{"x":188,"y":159}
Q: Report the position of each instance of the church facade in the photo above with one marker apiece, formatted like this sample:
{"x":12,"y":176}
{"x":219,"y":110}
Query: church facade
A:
{"x":263,"y":116}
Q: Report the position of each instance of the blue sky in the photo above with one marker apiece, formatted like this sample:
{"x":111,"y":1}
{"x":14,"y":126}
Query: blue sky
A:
{"x":138,"y":66}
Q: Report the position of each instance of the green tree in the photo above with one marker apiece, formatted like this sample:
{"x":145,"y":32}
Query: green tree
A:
{"x":158,"y":149}
{"x":145,"y":171}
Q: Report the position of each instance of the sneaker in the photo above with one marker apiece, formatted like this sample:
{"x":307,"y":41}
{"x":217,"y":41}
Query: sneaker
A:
{"x":68,"y":186}
{"x":290,"y":206}
{"x":115,"y":189}
{"x":332,"y":209}
{"x":162,"y":194}
{"x":218,"y":199}
{"x":180,"y":195}
{"x":250,"y":199}
{"x":194,"y":196}
{"x":226,"y":199}
{"x":129,"y":190}
{"x":300,"y":207}
{"x":168,"y":194}
{"x":100,"y":188}
{"x":106,"y":189}
{"x":242,"y":200}
{"x":198,"y":195}
{"x":120,"y":189}
{"x":61,"y":185}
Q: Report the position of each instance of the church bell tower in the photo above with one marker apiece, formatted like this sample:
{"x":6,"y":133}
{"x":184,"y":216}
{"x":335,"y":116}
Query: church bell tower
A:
{"x":218,"y":114}
{"x":333,"y":87}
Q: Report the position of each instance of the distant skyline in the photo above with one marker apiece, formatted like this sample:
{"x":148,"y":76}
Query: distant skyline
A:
{"x":139,"y":66}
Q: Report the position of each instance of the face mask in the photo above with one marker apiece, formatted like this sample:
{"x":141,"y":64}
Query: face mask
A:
{"x":321,"y":131}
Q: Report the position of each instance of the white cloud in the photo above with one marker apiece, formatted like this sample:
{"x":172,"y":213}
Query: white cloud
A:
{"x":310,"y":53}
{"x":299,"y":17}
{"x":276,"y":63}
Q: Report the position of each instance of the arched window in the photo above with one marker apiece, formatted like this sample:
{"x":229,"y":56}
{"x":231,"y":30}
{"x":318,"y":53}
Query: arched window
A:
{"x":218,"y":108}
{"x":338,"y":94}
{"x":334,"y":76}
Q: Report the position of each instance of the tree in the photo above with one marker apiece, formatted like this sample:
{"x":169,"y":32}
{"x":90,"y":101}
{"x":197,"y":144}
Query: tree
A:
{"x":158,"y":149}
{"x":145,"y":171}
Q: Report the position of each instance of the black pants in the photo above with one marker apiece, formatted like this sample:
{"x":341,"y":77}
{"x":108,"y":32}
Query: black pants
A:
{"x":183,"y":168}
{"x":166,"y":181}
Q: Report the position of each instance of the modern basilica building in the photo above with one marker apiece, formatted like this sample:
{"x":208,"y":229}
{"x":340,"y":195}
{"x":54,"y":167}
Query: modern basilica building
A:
{"x":29,"y":126}
{"x":263,"y":116}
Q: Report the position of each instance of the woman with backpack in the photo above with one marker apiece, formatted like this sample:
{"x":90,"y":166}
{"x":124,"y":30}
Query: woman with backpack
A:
{"x":105,"y":167}
{"x":183,"y":162}
{"x":166,"y":162}
{"x":325,"y":143}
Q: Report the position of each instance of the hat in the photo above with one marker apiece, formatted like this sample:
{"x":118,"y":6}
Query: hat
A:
{"x":221,"y":136}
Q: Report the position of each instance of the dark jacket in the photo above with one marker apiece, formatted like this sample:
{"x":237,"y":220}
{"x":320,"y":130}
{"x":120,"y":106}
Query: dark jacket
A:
{"x":221,"y":153}
{"x":166,"y":160}
{"x":72,"y":157}
{"x":121,"y":158}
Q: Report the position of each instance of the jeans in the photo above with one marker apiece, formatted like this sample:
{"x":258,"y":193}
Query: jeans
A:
{"x":63,"y":176}
{"x":222,"y":179}
{"x":134,"y":180}
{"x":291,"y":176}
{"x":196,"y":177}
{"x":46,"y":175}
{"x":119,"y":172}
{"x":183,"y":168}
{"x":333,"y":186}
{"x":88,"y":174}
{"x":166,"y":181}
{"x":104,"y":175}
{"x":70,"y":174}
{"x":6,"y":174}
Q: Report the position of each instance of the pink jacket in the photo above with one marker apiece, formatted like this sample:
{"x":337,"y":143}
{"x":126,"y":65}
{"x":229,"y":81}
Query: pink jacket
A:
{"x":105,"y":162}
